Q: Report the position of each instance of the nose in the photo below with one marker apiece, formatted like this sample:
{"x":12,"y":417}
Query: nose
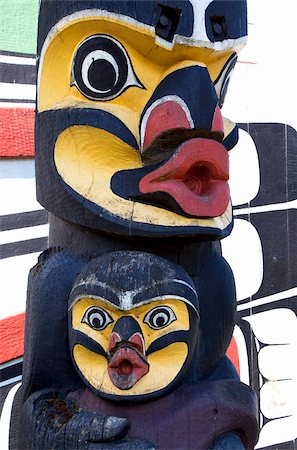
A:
{"x":186,"y":98}
{"x":127,"y":330}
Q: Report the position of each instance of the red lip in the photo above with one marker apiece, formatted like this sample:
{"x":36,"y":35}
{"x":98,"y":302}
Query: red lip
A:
{"x":195,"y":177}
{"x":126,"y":367}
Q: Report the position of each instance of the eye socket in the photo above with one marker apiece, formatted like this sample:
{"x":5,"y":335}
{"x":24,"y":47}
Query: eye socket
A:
{"x":102,"y":69}
{"x":159,"y":317}
{"x":97,"y":318}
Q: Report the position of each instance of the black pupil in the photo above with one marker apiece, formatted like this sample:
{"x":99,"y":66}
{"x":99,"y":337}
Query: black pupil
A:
{"x":160,"y":321}
{"x":101,"y":75}
{"x":96,"y":321}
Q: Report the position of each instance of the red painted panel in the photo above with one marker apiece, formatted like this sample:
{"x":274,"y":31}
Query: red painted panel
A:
{"x":12,"y":337}
{"x":17,"y":132}
{"x":232,"y":354}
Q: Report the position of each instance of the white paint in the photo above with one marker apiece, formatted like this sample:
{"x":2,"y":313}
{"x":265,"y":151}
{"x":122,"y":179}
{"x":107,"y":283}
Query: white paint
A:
{"x":17,"y":105}
{"x":17,"y":60}
{"x":96,"y":14}
{"x":273,"y":361}
{"x":278,"y":431}
{"x":22,"y":234}
{"x":17,"y":186}
{"x":269,"y":299}
{"x":5,"y":417}
{"x":244,"y":169}
{"x":267,"y":90}
{"x":160,"y":101}
{"x":277,"y":326}
{"x":11,"y":363}
{"x":242,"y":354}
{"x":14,"y":277}
{"x":243,"y":251}
{"x":199,"y":29}
{"x":10,"y":381}
{"x":267,"y":208}
{"x":17,"y":91}
{"x":276,"y":399}
{"x":198,"y":39}
{"x":88,"y":61}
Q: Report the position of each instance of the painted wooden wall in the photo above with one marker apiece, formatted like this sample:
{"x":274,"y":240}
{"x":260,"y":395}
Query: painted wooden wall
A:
{"x":261,"y":250}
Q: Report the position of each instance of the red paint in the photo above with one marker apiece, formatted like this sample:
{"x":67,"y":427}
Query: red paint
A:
{"x":126,"y":367}
{"x":17,"y":132}
{"x":217,"y":123}
{"x":195,"y":176}
{"x":233,"y":354}
{"x":12,"y":337}
{"x":114,"y":340}
{"x":165,"y":116}
{"x":137,"y":342}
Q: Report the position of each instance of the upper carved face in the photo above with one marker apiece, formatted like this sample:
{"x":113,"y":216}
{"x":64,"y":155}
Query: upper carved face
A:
{"x":130,"y":137}
{"x":133,"y":333}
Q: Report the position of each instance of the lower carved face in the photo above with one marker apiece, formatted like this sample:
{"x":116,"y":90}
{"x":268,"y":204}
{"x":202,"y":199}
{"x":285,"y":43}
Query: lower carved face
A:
{"x":134,"y":353}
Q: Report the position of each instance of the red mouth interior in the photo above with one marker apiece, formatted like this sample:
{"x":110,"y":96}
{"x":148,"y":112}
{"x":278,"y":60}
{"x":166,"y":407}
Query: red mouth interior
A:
{"x":195,"y":177}
{"x":127,"y":366}
{"x":197,"y":173}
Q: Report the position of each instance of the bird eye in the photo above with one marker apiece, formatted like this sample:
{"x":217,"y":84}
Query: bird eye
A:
{"x":97,"y":318}
{"x":159,"y":317}
{"x":102,"y":69}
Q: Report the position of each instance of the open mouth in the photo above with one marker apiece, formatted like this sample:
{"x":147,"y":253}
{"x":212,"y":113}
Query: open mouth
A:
{"x":185,"y":169}
{"x":196,"y":177}
{"x":127,"y":366}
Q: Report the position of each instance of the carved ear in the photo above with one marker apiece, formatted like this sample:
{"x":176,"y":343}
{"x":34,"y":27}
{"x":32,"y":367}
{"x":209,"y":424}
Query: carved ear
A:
{"x":50,"y":282}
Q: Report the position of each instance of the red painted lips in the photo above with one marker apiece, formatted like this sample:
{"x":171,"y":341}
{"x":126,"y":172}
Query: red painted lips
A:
{"x":196,"y":175}
{"x":126,"y":367}
{"x":127,"y":364}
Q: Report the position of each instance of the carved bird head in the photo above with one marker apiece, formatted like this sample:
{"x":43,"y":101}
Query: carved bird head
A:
{"x":133,"y":325}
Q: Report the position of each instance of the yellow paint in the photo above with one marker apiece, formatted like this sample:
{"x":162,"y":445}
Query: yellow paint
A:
{"x":87,"y":157}
{"x":150,"y":62}
{"x":102,"y":337}
{"x":164,"y":364}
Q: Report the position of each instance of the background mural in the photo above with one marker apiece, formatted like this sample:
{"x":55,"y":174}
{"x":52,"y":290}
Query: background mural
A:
{"x":262,"y":248}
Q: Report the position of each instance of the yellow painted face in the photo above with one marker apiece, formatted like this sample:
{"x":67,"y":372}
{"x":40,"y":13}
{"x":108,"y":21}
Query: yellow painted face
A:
{"x":156,"y":332}
{"x":98,"y":133}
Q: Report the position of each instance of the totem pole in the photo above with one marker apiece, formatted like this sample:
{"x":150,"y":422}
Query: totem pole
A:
{"x":131,"y":309}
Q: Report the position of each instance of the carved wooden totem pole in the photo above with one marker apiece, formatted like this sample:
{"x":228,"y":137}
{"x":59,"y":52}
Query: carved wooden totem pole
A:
{"x":131,"y":309}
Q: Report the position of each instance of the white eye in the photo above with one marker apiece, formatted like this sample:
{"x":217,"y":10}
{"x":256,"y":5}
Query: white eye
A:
{"x":97,"y":318}
{"x":159,"y":317}
{"x":103,"y":60}
{"x":102,"y":69}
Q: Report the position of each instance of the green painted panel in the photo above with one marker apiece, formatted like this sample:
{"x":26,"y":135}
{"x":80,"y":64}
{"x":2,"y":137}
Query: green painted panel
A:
{"x":18,"y":25}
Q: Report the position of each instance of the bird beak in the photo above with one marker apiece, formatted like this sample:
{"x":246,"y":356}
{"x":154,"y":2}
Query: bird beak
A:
{"x":127,"y":364}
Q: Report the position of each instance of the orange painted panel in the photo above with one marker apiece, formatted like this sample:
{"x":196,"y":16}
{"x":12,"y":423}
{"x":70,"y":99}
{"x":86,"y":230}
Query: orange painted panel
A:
{"x":17,"y":132}
{"x":12,"y":337}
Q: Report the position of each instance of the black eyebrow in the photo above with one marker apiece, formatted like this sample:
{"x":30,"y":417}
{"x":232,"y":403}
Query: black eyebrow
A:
{"x":94,"y":289}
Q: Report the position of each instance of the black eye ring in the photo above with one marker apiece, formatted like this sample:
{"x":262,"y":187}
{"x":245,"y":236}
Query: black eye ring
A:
{"x":97,"y":318}
{"x":102,"y":69}
{"x":159,"y":317}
